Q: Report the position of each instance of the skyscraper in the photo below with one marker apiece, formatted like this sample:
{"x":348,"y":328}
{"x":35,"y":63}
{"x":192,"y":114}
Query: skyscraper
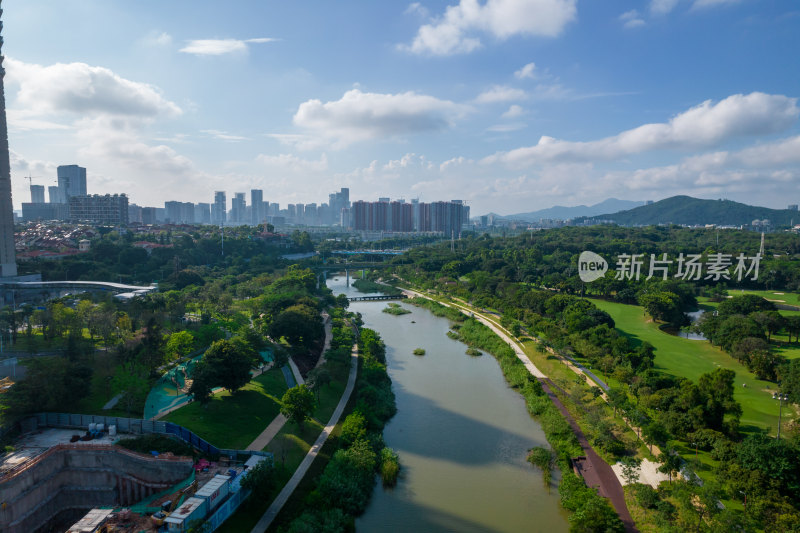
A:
{"x":257,"y":214}
{"x":8,"y":256}
{"x":238,"y":205}
{"x":71,"y":181}
{"x":37,"y":194}
{"x":218,"y":209}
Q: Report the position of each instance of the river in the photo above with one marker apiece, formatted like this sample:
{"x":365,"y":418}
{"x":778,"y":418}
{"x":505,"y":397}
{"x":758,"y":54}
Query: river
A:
{"x":462,"y":435}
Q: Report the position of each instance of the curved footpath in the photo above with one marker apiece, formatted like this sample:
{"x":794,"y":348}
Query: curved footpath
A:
{"x":281,"y":499}
{"x":595,"y":471}
{"x":279,"y":421}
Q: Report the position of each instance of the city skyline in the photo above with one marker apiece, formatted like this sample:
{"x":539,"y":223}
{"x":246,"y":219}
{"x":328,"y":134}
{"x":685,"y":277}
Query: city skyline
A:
{"x":515,"y":104}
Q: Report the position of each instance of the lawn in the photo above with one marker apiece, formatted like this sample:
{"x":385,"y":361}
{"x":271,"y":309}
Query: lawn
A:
{"x":691,"y":358}
{"x":233,"y":421}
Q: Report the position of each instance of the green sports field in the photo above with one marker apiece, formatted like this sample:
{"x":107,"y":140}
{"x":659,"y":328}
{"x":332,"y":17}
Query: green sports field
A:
{"x":691,"y":358}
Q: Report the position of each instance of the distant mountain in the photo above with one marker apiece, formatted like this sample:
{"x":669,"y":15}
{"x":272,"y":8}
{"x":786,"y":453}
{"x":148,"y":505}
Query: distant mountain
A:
{"x":611,"y":205}
{"x":694,"y":211}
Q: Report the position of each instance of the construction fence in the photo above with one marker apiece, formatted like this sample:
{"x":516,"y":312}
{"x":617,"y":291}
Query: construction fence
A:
{"x":136,"y":426}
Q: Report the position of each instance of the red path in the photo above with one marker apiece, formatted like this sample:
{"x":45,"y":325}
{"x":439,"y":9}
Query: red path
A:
{"x":595,"y":471}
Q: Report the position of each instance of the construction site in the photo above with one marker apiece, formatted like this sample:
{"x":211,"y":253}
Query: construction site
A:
{"x":60,"y":479}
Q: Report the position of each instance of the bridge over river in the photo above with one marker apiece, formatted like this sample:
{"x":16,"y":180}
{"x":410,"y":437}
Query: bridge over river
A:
{"x":379,"y":297}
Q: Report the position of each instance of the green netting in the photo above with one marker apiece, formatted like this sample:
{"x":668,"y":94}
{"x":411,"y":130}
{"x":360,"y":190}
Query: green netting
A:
{"x":143,"y":506}
{"x":166,"y":395}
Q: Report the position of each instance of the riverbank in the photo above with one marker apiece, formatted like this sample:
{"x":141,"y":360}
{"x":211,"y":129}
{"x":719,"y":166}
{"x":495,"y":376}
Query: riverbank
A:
{"x":561,"y":429}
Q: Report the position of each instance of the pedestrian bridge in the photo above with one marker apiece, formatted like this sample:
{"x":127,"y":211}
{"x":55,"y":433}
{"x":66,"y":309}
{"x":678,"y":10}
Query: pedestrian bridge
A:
{"x":379,"y":297}
{"x":44,"y":290}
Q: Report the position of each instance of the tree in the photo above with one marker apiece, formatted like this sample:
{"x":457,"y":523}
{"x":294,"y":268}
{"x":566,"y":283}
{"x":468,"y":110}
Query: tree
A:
{"x":718,"y":387}
{"x":229,"y":363}
{"x":664,"y":306}
{"x":299,"y":324}
{"x":202,"y":383}
{"x":260,"y":479}
{"x":654,"y":433}
{"x":179,"y":344}
{"x":630,"y":469}
{"x":298,"y":403}
{"x":670,"y":463}
{"x":318,"y":378}
{"x":789,"y":374}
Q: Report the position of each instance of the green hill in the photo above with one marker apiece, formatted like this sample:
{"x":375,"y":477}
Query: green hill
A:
{"x":694,"y":211}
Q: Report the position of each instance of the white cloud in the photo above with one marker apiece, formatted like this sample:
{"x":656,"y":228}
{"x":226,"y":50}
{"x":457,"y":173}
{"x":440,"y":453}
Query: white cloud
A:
{"x":85,"y":90}
{"x":290,"y":163}
{"x":500,"y":93}
{"x":359,"y":116}
{"x":702,"y":126}
{"x":404,"y":162}
{"x":454,"y":32}
{"x":20,"y":120}
{"x":699,"y":4}
{"x":119,"y":144}
{"x":417,"y":9}
{"x":526,"y":72}
{"x":505,"y":128}
{"x":224,"y":136}
{"x":631,"y":19}
{"x":455,"y":162}
{"x":217,"y":47}
{"x":155,"y":38}
{"x":662,"y":7}
{"x":514,"y":111}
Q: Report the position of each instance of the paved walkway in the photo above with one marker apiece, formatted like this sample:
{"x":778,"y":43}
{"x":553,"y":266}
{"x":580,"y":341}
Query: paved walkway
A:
{"x":296,"y":372}
{"x":268,"y":434}
{"x":283,"y":497}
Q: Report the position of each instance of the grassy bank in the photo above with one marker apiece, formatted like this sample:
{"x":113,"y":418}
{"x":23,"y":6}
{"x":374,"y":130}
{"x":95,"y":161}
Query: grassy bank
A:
{"x":234,"y":420}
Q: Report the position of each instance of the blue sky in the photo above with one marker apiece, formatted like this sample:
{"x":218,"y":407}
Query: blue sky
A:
{"x":511,"y":105}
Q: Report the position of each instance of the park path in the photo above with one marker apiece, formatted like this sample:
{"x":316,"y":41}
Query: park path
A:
{"x":280,"y":500}
{"x":596,"y":472}
{"x":279,"y":421}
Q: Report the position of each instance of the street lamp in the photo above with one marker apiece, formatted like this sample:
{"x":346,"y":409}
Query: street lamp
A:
{"x":781,"y":398}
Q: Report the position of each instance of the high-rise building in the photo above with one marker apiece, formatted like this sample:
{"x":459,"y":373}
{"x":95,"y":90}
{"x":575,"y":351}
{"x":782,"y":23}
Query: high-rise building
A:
{"x":257,"y":214}
{"x":202,"y":213}
{"x":134,"y":214}
{"x":219,"y":209}
{"x":238,"y":204}
{"x":179,"y":212}
{"x":100,"y":209}
{"x":54,"y":195}
{"x":37,"y":194}
{"x":383,"y":215}
{"x":149,"y":215}
{"x":8,"y":255}
{"x":71,"y":181}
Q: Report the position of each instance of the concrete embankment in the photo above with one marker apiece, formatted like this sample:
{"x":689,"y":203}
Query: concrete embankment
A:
{"x":80,"y":477}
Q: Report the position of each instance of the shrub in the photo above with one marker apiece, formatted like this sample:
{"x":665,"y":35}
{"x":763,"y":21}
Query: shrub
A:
{"x":390,"y":467}
{"x":646,"y":496}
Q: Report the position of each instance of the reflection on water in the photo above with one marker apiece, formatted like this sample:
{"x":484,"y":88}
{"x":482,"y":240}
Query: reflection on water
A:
{"x":462,"y":435}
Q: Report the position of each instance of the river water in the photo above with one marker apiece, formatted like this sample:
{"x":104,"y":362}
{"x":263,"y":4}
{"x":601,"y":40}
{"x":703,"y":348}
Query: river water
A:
{"x":462,"y":435}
